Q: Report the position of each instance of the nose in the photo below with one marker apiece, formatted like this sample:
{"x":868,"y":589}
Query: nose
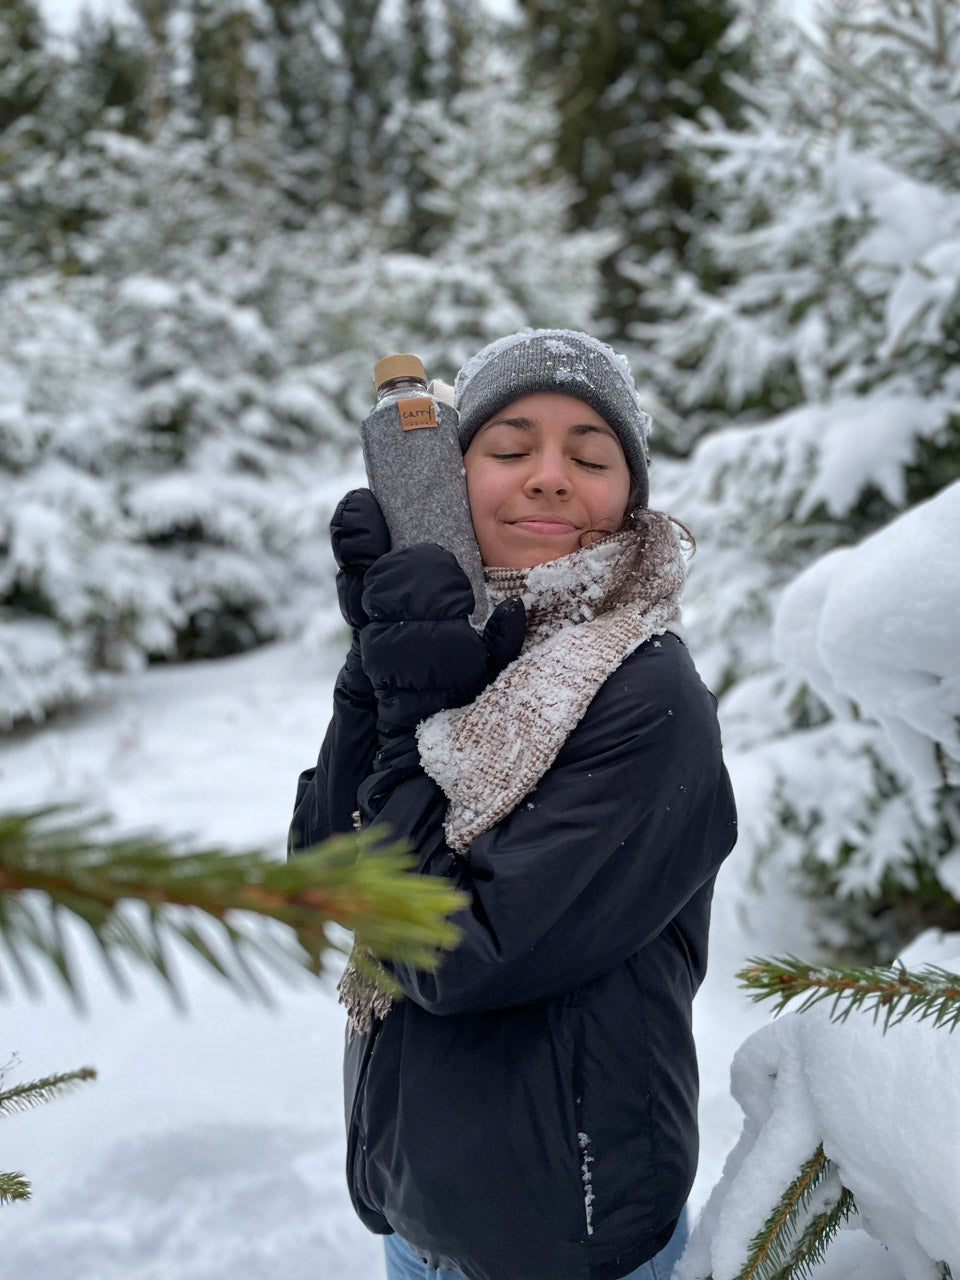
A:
{"x":548,"y":475}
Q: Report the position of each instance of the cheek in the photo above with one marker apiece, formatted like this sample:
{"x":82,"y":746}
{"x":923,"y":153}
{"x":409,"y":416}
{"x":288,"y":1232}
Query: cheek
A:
{"x":484,"y":498}
{"x":484,"y":490}
{"x":612,"y":500}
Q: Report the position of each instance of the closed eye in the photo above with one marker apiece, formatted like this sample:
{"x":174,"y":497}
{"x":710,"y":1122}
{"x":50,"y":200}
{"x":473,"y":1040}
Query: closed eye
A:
{"x":583,"y":462}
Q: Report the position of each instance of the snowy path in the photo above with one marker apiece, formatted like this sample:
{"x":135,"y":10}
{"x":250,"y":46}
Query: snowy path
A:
{"x":210,"y":1147}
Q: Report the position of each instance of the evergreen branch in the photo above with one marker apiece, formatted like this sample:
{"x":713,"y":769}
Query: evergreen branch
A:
{"x":811,"y":1247}
{"x":769,"y":1253}
{"x":13,"y":1186}
{"x":888,"y":30}
{"x":54,"y":869}
{"x":864,"y":79}
{"x":35,"y":1092}
{"x":930,"y":993}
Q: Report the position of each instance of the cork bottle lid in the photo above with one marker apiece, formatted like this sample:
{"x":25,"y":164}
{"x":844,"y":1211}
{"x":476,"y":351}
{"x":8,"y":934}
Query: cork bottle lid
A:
{"x":402,"y":366}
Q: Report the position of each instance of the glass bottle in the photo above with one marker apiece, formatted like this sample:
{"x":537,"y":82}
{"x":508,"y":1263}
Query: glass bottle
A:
{"x":411,"y":451}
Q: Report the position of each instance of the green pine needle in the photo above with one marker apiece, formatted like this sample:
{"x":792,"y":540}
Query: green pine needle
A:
{"x":769,"y":1253}
{"x":891,"y":991}
{"x":34,"y":1093}
{"x":810,"y":1248}
{"x":137,"y":896}
{"x":781,"y":1250}
{"x":13,"y":1186}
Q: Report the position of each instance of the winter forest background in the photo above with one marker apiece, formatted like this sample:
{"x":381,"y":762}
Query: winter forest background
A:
{"x":216,"y":214}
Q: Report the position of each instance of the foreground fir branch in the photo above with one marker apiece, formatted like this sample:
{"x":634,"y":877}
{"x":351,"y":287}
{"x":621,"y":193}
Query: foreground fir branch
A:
{"x":808,"y":1215}
{"x":896,"y":993}
{"x":54,"y":869}
{"x":810,"y":1247}
{"x":813,"y":1208}
{"x":33,"y":1093}
{"x":13,"y":1186}
{"x":793,"y":1238}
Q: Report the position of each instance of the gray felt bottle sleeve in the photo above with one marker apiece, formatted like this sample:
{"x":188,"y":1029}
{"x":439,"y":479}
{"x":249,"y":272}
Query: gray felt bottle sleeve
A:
{"x":418,"y":478}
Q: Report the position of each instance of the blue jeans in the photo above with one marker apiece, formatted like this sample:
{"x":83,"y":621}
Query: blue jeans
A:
{"x":403,"y":1263}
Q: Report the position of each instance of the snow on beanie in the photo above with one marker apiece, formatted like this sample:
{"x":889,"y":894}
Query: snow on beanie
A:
{"x":556,"y":360}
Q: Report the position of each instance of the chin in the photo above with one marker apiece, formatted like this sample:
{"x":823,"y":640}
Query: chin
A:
{"x":523,"y":552}
{"x":532,"y":556}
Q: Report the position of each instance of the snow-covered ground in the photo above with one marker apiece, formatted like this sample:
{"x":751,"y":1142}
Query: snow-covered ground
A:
{"x":210,"y":1147}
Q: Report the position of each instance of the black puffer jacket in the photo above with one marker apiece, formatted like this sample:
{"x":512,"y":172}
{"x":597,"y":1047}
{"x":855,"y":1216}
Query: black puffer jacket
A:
{"x":528,"y":1112}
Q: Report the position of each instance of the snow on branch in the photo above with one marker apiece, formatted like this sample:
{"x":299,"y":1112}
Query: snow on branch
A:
{"x":876,"y":625}
{"x":849,"y":1123}
{"x":804,"y":1221}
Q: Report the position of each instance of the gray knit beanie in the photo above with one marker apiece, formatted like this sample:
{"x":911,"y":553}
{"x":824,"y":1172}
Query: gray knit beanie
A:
{"x":556,"y":360}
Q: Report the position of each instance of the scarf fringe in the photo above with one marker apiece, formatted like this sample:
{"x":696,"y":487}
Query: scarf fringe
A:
{"x":365,"y":997}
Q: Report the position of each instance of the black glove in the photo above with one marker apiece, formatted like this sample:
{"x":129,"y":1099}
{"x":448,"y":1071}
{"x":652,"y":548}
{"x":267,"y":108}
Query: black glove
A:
{"x":419,"y":649}
{"x":359,"y":536}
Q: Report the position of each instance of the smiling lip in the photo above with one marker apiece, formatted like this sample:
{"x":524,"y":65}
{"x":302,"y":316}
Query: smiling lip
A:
{"x":549,"y":525}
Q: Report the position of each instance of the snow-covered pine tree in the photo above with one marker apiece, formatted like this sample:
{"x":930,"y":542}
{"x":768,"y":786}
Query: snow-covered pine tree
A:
{"x":161,"y":463}
{"x":621,"y":72}
{"x":30,"y":72}
{"x":224,"y":44}
{"x":433,"y":42}
{"x":337,"y":74}
{"x":187,"y":349}
{"x":821,"y":332}
{"x":26,"y":63}
{"x":500,"y":250}
{"x":341,"y":77}
{"x":111,"y":75}
{"x":728,"y":337}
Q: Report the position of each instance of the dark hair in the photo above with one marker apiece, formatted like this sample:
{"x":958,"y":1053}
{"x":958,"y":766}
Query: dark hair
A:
{"x":631,"y":520}
{"x":687,"y":541}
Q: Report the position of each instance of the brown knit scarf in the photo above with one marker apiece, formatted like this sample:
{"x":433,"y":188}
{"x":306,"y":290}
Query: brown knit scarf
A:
{"x":586,"y":612}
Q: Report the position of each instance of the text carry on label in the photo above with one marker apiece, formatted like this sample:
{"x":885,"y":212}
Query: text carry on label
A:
{"x":416,"y":412}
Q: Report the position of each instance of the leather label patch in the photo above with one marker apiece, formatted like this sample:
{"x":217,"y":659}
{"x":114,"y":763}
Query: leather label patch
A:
{"x":416,"y":412}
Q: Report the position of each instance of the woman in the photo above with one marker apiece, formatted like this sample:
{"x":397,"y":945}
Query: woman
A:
{"x":528,"y":1111}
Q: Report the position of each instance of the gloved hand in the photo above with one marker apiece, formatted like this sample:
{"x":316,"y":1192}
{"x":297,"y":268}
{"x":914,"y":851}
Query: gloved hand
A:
{"x":418,"y":648}
{"x":359,"y":536}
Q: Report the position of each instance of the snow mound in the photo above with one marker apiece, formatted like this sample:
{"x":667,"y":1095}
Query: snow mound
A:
{"x":885,"y":1106}
{"x":876,"y":626}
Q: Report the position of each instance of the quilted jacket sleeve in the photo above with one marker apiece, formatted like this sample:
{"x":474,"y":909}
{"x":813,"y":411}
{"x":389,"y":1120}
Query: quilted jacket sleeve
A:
{"x":327,"y":794}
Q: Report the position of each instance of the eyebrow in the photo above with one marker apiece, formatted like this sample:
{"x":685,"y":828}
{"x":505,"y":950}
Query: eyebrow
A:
{"x":577,"y":429}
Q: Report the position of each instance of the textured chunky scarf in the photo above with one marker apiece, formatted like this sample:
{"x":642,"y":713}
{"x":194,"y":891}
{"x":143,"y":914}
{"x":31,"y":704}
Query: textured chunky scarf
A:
{"x":586,"y":612}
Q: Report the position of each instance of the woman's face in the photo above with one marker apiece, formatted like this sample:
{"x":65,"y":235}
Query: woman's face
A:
{"x":542,"y":473}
